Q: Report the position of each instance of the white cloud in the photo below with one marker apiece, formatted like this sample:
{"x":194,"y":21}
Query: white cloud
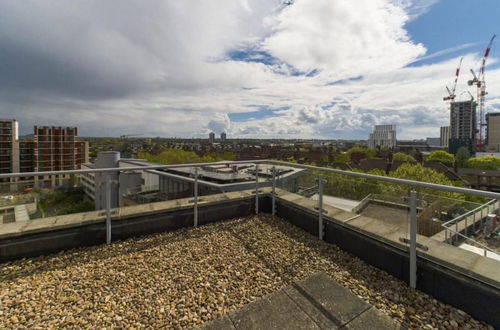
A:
{"x":345,"y":38}
{"x":163,"y":69}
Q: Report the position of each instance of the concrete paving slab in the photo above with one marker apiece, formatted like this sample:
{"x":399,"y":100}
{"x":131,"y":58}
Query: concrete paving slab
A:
{"x":372,"y":319}
{"x":220,"y":323}
{"x":334,"y":301}
{"x":324,"y":320}
{"x":277,"y":311}
{"x":317,"y":302}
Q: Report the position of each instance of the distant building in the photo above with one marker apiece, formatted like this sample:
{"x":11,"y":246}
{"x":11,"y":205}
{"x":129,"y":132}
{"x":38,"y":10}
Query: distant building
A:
{"x":462,"y":125}
{"x":382,"y":136}
{"x":9,"y":152}
{"x":50,"y":149}
{"x":444,"y":136}
{"x":463,"y":120}
{"x":94,"y":184}
{"x":211,"y":137}
{"x":57,"y":149}
{"x":222,"y":137}
{"x":433,"y":142}
{"x":132,"y":187}
{"x":493,"y":131}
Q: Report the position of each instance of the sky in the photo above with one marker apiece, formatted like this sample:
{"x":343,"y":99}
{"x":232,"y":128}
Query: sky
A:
{"x":323,"y":69}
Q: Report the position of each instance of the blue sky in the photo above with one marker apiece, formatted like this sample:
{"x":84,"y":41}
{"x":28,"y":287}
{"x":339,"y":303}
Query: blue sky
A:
{"x":252,"y":68}
{"x":451,"y":23}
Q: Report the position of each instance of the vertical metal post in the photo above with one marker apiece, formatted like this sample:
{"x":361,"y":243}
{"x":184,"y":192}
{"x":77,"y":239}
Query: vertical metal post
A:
{"x":446,"y":234}
{"x":256,"y":188}
{"x":466,"y":228}
{"x":474,"y":221}
{"x":413,"y":238}
{"x":195,"y":211}
{"x":456,"y":231}
{"x":108,"y":210}
{"x":320,"y":207}
{"x":273,"y":196}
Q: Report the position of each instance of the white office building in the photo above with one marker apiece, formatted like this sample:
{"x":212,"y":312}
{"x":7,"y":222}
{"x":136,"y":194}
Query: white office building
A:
{"x":382,"y":136}
{"x":445,"y":136}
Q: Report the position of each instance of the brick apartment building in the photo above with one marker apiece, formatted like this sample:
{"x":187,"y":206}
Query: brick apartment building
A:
{"x":51,"y":149}
{"x":9,"y":151}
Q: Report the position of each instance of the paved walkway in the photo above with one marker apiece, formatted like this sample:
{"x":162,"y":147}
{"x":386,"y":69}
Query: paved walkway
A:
{"x":317,"y":302}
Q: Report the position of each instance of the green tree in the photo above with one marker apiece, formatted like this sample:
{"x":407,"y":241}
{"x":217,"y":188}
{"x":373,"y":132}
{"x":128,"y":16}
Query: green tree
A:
{"x":484,"y":163}
{"x":418,"y":172}
{"x":462,"y":156}
{"x":403,"y":157}
{"x":366,"y":152}
{"x":342,"y":158}
{"x":178,"y":156}
{"x":442,"y":157}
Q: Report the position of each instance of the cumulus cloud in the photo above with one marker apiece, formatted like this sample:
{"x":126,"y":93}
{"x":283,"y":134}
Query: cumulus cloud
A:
{"x":345,"y":38}
{"x":330,"y":68}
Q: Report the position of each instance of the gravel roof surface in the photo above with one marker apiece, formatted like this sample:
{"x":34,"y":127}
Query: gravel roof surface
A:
{"x":182,"y":279}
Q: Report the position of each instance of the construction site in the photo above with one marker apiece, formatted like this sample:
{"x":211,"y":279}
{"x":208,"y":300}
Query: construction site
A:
{"x":468,"y":121}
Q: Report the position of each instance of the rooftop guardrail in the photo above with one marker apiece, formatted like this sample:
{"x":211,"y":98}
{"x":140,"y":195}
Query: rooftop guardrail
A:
{"x":411,"y":184}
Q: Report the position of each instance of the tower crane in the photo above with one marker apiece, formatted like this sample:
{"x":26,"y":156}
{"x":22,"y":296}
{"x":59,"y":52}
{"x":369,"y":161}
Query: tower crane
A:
{"x":479,"y":81}
{"x":451,"y":93}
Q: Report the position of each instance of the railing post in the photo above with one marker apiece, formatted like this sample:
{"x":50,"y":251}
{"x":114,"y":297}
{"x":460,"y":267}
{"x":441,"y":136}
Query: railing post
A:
{"x":320,"y":207}
{"x":108,"y":210}
{"x":195,"y":210}
{"x":413,"y":238}
{"x":456,"y":230}
{"x":466,"y":228}
{"x":481,"y":218}
{"x":474,"y":222}
{"x":446,"y":234}
{"x":256,"y":188}
{"x":273,"y":192}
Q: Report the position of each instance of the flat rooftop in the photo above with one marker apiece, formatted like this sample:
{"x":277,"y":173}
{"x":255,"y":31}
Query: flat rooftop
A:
{"x":190,"y":276}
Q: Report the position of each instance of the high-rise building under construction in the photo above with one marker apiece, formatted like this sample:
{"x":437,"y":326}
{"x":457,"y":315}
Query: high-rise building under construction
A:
{"x":463,"y":125}
{"x":463,"y":120}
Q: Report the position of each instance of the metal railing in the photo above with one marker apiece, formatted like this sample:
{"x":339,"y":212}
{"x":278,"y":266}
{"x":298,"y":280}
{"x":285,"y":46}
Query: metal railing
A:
{"x":321,"y":180}
{"x":449,"y":237}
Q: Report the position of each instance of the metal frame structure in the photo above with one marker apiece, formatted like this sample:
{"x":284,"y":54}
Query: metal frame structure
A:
{"x":411,"y":183}
{"x":447,"y":226}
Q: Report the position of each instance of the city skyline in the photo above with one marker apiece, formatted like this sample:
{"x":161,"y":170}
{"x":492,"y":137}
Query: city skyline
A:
{"x":328,"y":70}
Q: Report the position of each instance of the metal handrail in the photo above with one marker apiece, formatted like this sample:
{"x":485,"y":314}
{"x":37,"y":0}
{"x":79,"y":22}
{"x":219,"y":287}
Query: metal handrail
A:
{"x":412,"y":183}
{"x":466,"y":214}
{"x":476,"y":242}
{"x":122,"y":169}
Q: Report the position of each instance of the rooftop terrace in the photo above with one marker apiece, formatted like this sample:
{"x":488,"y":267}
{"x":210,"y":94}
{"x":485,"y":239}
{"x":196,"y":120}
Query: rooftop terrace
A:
{"x":187,"y":277}
{"x":155,"y":272}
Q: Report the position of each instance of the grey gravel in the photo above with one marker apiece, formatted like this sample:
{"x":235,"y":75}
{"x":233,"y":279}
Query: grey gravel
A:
{"x":187,"y":277}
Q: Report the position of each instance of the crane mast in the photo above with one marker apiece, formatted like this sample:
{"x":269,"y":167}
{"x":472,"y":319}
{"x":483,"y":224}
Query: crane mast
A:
{"x":479,"y":81}
{"x":451,"y":93}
